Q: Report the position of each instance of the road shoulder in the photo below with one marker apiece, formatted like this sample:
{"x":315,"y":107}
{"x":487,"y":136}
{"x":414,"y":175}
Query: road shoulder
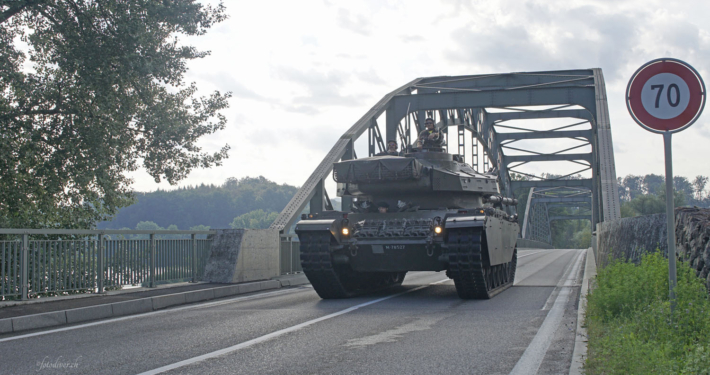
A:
{"x":580,"y":342}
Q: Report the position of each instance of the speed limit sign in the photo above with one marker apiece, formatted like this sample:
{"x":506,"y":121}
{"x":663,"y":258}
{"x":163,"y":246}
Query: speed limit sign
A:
{"x":665,"y":95}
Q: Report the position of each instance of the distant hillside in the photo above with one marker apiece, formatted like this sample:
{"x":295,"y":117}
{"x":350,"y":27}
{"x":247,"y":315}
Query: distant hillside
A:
{"x":210,"y":205}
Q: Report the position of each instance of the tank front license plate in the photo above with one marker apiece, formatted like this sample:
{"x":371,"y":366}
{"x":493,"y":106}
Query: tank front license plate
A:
{"x":394,"y":247}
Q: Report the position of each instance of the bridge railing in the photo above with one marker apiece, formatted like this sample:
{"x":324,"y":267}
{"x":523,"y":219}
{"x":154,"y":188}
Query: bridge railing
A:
{"x":36,"y":262}
{"x":290,"y":255}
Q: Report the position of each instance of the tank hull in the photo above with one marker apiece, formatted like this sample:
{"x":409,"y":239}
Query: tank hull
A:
{"x":438,"y":214}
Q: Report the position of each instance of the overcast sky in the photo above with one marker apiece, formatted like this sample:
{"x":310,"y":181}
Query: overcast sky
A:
{"x":302,"y":72}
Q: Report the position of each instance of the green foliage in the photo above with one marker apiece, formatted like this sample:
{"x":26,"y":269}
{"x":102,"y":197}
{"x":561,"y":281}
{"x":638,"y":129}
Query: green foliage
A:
{"x":148,"y":225}
{"x":647,"y":205}
{"x":258,"y":219}
{"x":651,"y":203}
{"x":87,"y":90}
{"x":583,"y":238}
{"x":686,"y":192}
{"x":570,"y":234}
{"x":209,"y":205}
{"x":627,"y":210}
{"x":630,"y":327}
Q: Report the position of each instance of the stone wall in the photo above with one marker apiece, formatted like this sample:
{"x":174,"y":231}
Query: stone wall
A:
{"x":692,"y":237}
{"x":630,"y":238}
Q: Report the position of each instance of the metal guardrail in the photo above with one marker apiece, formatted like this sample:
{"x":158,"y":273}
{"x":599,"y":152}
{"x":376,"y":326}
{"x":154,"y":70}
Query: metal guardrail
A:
{"x":290,"y":255}
{"x":73,"y":261}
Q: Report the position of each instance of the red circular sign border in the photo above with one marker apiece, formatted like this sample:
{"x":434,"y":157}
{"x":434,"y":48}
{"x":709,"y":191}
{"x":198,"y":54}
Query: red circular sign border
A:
{"x":666,"y":65}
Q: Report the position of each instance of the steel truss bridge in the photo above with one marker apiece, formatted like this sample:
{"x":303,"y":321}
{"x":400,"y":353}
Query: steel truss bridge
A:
{"x":521,"y":124}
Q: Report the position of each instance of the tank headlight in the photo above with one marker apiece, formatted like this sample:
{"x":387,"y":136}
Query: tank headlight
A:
{"x":437,"y":229}
{"x":346,"y":231}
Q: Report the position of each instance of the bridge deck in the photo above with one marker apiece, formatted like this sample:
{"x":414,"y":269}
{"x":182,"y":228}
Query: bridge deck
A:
{"x":420,"y":327}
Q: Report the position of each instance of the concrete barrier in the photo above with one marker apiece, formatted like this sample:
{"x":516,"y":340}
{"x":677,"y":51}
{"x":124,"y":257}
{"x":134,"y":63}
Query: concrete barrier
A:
{"x":249,"y":288}
{"x":226,"y":291}
{"x":84,"y":314}
{"x":199,"y":295}
{"x":6,"y":325}
{"x":581,"y":338}
{"x":136,"y":306}
{"x":161,"y":302}
{"x":241,"y":255}
{"x":23,"y":323}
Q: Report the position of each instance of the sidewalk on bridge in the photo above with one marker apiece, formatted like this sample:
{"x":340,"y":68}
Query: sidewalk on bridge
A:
{"x":37,"y":313}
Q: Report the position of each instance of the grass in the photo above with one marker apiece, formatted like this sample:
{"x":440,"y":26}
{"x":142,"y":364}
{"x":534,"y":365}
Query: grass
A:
{"x":630,"y":327}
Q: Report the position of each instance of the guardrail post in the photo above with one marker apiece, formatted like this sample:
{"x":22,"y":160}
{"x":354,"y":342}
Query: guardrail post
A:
{"x":194,"y":257}
{"x":290,"y":255}
{"x":152,"y":260}
{"x":24,"y":272}
{"x":281,"y":254}
{"x":100,"y":263}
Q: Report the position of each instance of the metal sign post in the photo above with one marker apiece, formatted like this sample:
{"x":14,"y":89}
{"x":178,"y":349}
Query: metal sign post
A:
{"x":666,"y":96}
{"x":670,"y":217}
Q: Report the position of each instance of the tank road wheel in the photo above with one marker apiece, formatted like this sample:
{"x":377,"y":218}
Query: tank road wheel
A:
{"x":331,"y":281}
{"x":474,"y":279}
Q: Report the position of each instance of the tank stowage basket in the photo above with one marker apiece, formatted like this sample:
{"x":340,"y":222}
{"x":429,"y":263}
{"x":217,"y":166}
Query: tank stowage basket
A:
{"x":383,"y":169}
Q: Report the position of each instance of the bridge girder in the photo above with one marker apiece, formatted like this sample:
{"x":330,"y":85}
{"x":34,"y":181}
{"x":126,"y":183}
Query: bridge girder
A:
{"x":481,"y":105}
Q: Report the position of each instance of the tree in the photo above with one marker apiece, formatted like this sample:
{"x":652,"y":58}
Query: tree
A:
{"x":211,"y":205}
{"x":634,"y":185}
{"x":627,"y":210}
{"x":652,"y":183}
{"x":96,"y":87}
{"x":699,"y":186}
{"x":257,"y":219}
{"x":148,"y":225}
{"x":683,"y":186}
{"x":679,"y":197}
{"x":648,"y":204}
{"x":583,"y":238}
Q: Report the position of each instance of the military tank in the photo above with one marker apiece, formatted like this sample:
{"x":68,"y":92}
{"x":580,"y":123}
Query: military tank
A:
{"x":424,"y":211}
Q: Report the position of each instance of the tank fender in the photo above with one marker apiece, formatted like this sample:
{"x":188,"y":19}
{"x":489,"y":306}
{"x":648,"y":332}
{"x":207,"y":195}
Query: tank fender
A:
{"x":465,"y":222}
{"x":501,"y":237}
{"x":334,"y":226}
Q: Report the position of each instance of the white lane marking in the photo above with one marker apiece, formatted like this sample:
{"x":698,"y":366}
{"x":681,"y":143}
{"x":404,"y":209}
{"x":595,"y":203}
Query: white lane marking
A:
{"x":564,"y":281}
{"x":533,"y":267}
{"x":394,"y":334}
{"x":211,"y":304}
{"x":278,"y":333}
{"x":530,"y":361}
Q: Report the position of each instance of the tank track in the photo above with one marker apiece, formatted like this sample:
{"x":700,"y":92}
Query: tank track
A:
{"x":331,"y":281}
{"x":467,"y":266}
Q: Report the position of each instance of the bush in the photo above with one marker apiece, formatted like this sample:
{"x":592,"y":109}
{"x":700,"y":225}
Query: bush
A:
{"x":630,"y":327}
{"x":257,"y":219}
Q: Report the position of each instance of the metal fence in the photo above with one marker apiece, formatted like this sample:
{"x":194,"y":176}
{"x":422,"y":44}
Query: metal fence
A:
{"x":290,"y":255}
{"x":48,"y":262}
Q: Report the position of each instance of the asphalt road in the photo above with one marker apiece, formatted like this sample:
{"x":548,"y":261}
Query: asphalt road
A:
{"x":421,"y":327}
